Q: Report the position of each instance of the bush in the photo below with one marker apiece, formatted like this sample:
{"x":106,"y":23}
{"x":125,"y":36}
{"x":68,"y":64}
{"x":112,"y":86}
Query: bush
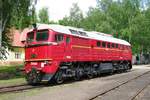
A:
{"x":7,"y":72}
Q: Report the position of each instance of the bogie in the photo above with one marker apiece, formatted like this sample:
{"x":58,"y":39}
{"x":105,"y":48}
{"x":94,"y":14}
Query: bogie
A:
{"x":59,"y":78}
{"x":90,"y":69}
{"x":34,"y":77}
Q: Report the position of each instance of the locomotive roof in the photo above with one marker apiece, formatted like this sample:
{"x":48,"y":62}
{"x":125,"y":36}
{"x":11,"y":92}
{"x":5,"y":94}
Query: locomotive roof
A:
{"x":86,"y":34}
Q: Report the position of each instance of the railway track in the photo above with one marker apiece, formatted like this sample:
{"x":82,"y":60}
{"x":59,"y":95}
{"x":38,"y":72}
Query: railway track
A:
{"x":93,"y":98}
{"x":22,"y":87}
{"x":139,"y":92}
{"x":17,"y":88}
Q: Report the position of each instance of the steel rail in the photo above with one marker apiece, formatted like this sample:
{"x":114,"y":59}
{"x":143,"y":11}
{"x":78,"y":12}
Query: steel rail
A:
{"x":17,"y":88}
{"x":119,"y":86}
{"x":140,"y":91}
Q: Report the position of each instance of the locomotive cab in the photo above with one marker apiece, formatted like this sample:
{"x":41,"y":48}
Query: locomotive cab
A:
{"x":38,"y":55}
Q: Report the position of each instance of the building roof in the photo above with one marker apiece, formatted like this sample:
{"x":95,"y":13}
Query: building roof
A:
{"x":24,"y":34}
{"x":19,"y":37}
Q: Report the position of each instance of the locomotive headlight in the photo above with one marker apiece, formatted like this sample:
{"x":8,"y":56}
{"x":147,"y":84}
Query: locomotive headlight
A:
{"x":42,"y":64}
{"x":45,"y":63}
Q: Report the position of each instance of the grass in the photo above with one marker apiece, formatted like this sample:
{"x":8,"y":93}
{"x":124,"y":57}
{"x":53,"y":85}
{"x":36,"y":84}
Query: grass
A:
{"x":9,"y":75}
{"x":9,"y":72}
{"x":9,"y":68}
{"x":10,"y":82}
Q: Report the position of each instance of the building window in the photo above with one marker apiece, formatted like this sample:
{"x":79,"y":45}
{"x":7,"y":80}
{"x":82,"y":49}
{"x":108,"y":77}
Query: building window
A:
{"x":17,"y":55}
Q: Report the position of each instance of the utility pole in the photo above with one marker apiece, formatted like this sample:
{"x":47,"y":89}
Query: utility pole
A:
{"x":1,"y":25}
{"x":0,"y":33}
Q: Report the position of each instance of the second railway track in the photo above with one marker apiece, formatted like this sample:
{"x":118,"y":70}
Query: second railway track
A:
{"x":98,"y":95}
{"x":139,"y":92}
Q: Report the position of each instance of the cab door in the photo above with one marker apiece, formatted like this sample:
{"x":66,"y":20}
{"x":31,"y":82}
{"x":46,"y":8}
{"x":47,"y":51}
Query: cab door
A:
{"x":58,"y":49}
{"x":68,"y":54}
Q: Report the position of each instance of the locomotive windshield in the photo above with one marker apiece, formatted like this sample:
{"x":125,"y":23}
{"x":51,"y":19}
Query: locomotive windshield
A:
{"x":42,"y":36}
{"x":30,"y":37}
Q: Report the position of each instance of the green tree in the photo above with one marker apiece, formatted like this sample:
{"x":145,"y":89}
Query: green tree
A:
{"x":96,"y":20}
{"x":65,"y":21}
{"x":75,"y":17}
{"x":16,"y":14}
{"x":33,"y":16}
{"x":43,"y":15}
{"x":125,"y":17}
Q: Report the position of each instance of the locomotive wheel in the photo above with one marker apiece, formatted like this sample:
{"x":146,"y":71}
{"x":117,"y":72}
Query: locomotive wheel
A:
{"x":121,"y":68}
{"x":112,"y":71}
{"x":59,"y":77}
{"x":125,"y":67}
{"x":33,"y":77}
{"x":128,"y":67}
{"x":78,"y":75}
{"x":90,"y":73}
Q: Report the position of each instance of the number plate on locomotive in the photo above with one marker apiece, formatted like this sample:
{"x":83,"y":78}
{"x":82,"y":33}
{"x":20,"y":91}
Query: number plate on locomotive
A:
{"x":33,"y":63}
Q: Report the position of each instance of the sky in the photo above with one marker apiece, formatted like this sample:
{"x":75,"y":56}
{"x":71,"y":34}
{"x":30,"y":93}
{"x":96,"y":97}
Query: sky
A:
{"x":60,"y":8}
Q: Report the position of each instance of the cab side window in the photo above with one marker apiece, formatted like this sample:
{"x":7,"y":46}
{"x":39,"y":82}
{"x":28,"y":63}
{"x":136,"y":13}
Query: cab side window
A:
{"x":67,"y":40}
{"x":98,"y":43}
{"x":59,"y":37}
{"x":108,"y":45}
{"x":103,"y":44}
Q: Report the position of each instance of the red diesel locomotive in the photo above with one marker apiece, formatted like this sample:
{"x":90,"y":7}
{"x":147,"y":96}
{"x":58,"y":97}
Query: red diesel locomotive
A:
{"x":55,"y":52}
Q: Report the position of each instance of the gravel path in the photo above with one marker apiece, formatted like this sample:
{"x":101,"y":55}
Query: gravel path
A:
{"x":86,"y":89}
{"x":127,"y":91}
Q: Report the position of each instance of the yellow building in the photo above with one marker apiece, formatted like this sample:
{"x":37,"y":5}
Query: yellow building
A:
{"x":16,"y":56}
